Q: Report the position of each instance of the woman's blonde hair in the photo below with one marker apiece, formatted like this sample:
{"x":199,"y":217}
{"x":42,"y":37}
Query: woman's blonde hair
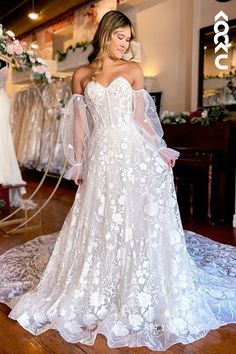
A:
{"x":110,"y":22}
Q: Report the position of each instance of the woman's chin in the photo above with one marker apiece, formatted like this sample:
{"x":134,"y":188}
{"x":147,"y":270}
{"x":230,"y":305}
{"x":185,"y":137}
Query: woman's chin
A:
{"x":120,"y":56}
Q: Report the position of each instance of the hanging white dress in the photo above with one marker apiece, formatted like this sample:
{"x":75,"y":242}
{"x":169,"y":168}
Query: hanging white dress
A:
{"x":120,"y":265}
{"x":9,"y":170}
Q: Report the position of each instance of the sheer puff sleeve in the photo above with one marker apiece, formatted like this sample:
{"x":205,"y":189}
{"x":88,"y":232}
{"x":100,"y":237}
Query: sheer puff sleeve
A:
{"x":75,"y":132}
{"x":147,"y":120}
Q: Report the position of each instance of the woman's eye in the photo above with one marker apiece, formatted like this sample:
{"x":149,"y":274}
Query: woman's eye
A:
{"x":122,"y":37}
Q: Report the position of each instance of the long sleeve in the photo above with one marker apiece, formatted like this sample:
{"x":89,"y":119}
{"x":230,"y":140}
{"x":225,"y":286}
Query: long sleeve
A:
{"x":147,"y":120}
{"x":75,"y":130}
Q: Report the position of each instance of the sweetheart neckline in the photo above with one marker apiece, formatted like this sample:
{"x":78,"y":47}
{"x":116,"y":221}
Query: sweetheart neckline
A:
{"x":107,"y":87}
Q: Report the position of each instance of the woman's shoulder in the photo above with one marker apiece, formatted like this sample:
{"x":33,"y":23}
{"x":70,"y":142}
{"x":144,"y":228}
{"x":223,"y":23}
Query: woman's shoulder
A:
{"x":134,"y":70}
{"x":81,"y":72}
{"x":131,"y":65}
{"x":135,"y":73}
{"x":79,"y":77}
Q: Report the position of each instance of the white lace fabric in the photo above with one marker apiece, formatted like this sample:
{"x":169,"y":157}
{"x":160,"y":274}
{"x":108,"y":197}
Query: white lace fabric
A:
{"x":120,"y":265}
{"x":9,"y":170}
{"x":135,"y":111}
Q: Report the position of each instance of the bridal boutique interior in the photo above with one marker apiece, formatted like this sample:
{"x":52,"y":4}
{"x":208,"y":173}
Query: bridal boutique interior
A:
{"x":196,"y":101}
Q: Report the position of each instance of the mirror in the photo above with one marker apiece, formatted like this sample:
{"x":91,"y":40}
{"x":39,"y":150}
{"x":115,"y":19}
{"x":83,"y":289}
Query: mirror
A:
{"x":217,"y":86}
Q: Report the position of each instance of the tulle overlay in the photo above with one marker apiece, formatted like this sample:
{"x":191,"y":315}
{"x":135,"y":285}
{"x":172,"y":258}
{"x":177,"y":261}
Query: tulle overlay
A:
{"x":9,"y":170}
{"x":121,"y":265}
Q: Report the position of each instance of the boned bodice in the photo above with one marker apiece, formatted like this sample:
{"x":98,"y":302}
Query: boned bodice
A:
{"x":110,"y":105}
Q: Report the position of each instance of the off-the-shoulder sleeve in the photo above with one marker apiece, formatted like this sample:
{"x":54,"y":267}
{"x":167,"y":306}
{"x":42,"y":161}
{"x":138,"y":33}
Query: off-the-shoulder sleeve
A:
{"x":75,"y":132}
{"x":148,"y":122}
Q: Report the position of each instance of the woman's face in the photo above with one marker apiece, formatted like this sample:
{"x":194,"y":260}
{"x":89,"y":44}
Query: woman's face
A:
{"x":120,"y":41}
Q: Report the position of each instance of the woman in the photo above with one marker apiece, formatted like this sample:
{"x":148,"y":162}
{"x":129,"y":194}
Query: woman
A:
{"x":120,"y":266}
{"x":9,"y":170}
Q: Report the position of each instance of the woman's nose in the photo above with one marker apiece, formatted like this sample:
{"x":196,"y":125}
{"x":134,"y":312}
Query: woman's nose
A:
{"x":125,"y":45}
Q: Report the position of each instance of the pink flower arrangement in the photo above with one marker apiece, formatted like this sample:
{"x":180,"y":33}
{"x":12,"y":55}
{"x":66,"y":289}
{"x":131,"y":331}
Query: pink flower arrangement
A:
{"x":14,"y":48}
{"x":41,"y":69}
{"x":23,"y":59}
{"x":32,"y":59}
{"x":48,"y":75}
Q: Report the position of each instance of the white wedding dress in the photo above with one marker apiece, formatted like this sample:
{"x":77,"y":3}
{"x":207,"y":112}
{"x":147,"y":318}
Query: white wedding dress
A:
{"x":121,"y":265}
{"x":9,"y":170}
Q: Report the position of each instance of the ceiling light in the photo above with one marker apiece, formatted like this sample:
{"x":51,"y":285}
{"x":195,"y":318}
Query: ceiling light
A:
{"x":34,"y":45}
{"x":33,"y":15}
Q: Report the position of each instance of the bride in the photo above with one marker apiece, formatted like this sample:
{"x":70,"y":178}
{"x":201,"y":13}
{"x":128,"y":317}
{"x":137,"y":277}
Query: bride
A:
{"x":9,"y":170}
{"x":120,"y":265}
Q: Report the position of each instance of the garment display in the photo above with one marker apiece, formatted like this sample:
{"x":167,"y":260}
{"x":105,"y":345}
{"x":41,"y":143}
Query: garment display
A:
{"x":121,"y":265}
{"x":9,"y":170}
{"x":34,"y":119}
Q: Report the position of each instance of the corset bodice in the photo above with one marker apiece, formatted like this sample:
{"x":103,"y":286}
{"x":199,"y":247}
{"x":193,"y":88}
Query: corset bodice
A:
{"x":111,"y":105}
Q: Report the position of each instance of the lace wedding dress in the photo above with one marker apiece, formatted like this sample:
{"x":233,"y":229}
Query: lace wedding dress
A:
{"x":9,"y":169}
{"x":122,"y":264}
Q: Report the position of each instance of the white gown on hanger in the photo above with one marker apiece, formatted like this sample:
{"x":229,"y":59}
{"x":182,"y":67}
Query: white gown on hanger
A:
{"x":120,"y":265}
{"x":9,"y":169}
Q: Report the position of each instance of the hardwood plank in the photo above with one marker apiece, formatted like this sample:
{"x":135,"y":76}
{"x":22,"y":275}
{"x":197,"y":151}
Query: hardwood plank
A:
{"x":4,"y":309}
{"x":188,"y":349}
{"x":103,"y":349}
{"x":226,"y":335}
{"x":100,"y":346}
{"x":14,"y":339}
{"x":180,"y":348}
{"x":52,"y":341}
{"x":211,"y":344}
{"x":4,"y":347}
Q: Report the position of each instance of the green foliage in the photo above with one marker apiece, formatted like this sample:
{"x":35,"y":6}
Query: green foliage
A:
{"x":202,"y":116}
{"x":62,"y":55}
{"x":216,"y":114}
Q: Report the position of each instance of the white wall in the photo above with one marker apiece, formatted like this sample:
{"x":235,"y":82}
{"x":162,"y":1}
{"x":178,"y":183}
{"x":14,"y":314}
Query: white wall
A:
{"x":163,"y":30}
{"x":169,"y":33}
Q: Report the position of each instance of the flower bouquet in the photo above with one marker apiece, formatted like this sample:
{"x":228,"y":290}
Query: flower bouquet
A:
{"x":22,"y":59}
{"x":173,"y":118}
{"x":209,"y":116}
{"x":202,"y":116}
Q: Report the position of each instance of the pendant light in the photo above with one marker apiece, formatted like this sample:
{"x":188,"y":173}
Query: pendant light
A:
{"x":33,"y":15}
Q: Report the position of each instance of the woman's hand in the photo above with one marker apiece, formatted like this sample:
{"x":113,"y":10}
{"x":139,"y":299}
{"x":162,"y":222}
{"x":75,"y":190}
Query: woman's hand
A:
{"x":171,"y":162}
{"x":168,"y":155}
{"x":78,"y":181}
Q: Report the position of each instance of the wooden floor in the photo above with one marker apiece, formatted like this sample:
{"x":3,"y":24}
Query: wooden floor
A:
{"x":15,"y":340}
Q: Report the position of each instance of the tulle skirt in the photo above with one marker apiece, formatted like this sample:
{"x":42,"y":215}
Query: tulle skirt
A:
{"x":121,"y":265}
{"x":9,"y":170}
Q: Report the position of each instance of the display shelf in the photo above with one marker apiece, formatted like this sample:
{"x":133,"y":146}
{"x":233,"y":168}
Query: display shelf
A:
{"x":19,"y":77}
{"x":74,"y":59}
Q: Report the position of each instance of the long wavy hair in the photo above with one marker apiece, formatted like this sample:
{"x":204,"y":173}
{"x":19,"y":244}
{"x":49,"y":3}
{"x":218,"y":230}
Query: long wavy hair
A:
{"x":110,"y":22}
